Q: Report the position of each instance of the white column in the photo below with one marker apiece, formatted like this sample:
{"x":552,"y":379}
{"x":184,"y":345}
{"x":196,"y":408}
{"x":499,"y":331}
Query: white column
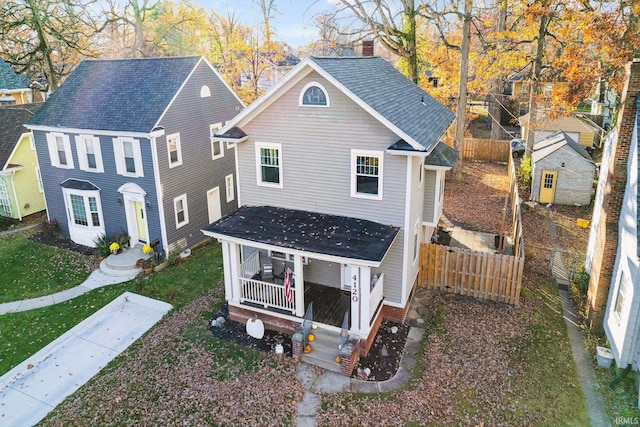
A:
{"x":365,"y":296}
{"x":234,"y":265}
{"x":298,"y":272}
{"x":226,"y":264}
{"x":354,"y":279}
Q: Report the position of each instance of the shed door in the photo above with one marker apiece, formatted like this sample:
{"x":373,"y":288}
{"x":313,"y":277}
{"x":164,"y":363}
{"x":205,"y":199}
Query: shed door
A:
{"x":548,"y":186}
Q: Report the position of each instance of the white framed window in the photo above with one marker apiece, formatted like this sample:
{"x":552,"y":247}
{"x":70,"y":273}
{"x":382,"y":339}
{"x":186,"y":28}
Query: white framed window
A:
{"x":217,"y":147}
{"x":174,"y":150}
{"x":5,"y":201}
{"x":231,"y":194}
{"x":39,"y":179}
{"x":84,"y":214}
{"x":420,"y":172}
{"x":621,"y":296}
{"x":416,"y":240}
{"x":89,"y":153}
{"x":269,"y":164}
{"x":60,"y":150}
{"x":205,"y":91}
{"x":128,"y":157}
{"x":366,"y":174}
{"x":313,"y":95}
{"x":181,"y":210}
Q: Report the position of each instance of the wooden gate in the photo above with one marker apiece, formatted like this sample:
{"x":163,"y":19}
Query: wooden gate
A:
{"x":465,"y":272}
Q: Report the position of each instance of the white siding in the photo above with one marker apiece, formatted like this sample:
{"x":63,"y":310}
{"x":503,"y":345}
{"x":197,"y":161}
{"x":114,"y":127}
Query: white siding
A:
{"x":430,"y":185}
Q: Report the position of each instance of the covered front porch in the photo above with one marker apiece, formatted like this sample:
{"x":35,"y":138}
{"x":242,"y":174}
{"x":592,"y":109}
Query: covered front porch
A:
{"x":338,"y":280}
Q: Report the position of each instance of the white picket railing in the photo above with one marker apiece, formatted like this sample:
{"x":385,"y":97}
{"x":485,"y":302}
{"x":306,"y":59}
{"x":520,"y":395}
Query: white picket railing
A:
{"x":376,"y":296}
{"x":250,"y":266}
{"x":270,"y":295}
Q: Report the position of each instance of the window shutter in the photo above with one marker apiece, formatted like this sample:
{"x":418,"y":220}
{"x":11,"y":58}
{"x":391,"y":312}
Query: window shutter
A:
{"x":98,"y":153}
{"x":138,"y":158}
{"x":119,"y":156}
{"x":53,"y":153}
{"x":82,"y":153}
{"x":67,"y":150}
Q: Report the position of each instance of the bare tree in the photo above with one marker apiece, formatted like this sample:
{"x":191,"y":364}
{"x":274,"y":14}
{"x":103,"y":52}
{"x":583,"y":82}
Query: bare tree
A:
{"x":134,"y":13}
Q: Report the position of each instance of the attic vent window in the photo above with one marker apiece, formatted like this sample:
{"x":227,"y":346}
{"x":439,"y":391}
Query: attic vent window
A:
{"x":205,"y":91}
{"x":314,"y":95}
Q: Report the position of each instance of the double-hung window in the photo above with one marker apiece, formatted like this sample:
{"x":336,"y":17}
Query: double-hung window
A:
{"x":217,"y":147}
{"x":128,"y":157}
{"x":84,"y":212}
{"x":89,"y":153}
{"x":5,"y":201}
{"x":60,"y":150}
{"x":228,"y":180}
{"x":366,"y":174}
{"x":181,"y":210}
{"x":269,"y":164}
{"x":174,"y":150}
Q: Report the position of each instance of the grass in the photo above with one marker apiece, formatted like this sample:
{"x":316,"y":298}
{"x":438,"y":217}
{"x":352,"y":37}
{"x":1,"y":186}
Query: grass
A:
{"x":32,"y":269}
{"x":23,"y":334}
{"x":620,"y":400}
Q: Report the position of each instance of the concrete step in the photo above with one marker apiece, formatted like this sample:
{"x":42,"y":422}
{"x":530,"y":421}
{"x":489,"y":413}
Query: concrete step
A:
{"x":126,"y":260}
{"x":119,"y":272}
{"x":324,"y":350}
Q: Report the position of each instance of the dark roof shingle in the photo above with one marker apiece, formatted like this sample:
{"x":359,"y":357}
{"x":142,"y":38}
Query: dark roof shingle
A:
{"x":12,"y":120}
{"x":126,"y":95}
{"x":9,"y":79}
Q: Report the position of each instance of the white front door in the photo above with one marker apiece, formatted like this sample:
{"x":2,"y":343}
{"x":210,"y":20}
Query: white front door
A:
{"x":213,"y":203}
{"x":141,"y":222}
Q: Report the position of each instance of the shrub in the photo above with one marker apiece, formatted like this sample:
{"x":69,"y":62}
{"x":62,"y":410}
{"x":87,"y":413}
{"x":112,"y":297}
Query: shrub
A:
{"x":524,"y":173}
{"x":102,"y":246}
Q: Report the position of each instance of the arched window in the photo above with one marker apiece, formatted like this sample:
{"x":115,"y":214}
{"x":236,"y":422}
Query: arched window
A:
{"x":314,"y":94}
{"x":204,"y":91}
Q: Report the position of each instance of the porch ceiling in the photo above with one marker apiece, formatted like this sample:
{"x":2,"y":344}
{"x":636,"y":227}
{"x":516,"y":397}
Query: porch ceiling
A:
{"x":334,"y":235}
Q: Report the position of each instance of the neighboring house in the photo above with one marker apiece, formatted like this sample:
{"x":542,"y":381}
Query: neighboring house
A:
{"x":124,"y":145}
{"x":271,"y":68}
{"x":13,"y":85}
{"x":580,"y":128}
{"x":341,"y":173}
{"x":562,"y":171}
{"x":614,"y":243}
{"x":20,"y":185}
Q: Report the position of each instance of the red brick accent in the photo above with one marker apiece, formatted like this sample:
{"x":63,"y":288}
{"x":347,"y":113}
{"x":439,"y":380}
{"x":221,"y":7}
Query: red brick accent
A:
{"x":607,"y":235}
{"x":367,"y":48}
{"x":349,"y":356}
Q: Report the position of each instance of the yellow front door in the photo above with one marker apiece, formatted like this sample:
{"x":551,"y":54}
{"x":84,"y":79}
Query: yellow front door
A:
{"x":141,"y":224}
{"x":548,"y":186}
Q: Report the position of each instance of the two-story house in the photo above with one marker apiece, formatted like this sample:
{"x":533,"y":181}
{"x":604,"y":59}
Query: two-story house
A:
{"x":13,"y":87}
{"x":340,"y":178}
{"x":124,"y":145}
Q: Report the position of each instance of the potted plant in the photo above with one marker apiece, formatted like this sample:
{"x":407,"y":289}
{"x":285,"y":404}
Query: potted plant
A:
{"x":114,"y":247}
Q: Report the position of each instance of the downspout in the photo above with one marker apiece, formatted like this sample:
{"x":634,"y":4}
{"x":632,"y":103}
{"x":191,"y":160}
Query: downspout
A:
{"x":15,"y":195}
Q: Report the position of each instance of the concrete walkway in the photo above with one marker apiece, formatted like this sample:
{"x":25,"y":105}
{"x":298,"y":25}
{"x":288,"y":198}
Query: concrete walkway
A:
{"x":35,"y":387}
{"x":581,"y":356}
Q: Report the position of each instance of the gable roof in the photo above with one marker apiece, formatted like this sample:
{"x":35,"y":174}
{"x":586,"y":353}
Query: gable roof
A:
{"x":554,"y":142}
{"x":374,"y":84}
{"x":573,"y":123}
{"x":127,"y":95}
{"x":12,"y":120}
{"x":9,"y":80}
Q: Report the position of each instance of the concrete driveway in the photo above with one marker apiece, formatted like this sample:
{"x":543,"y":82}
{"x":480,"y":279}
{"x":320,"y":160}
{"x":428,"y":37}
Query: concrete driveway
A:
{"x":35,"y":387}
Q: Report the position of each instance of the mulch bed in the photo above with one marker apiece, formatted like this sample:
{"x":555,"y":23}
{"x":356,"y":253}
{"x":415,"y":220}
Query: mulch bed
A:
{"x":59,"y":241}
{"x":383,"y":359}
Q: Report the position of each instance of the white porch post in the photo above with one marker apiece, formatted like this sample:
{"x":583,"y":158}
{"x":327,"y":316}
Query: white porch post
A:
{"x":226,"y":264}
{"x":234,"y":266}
{"x":298,"y":268}
{"x":365,"y":296}
{"x":354,"y":279}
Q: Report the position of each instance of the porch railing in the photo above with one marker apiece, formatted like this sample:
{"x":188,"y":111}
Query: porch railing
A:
{"x":269,"y":295}
{"x":376,"y":296}
{"x":250,"y":266}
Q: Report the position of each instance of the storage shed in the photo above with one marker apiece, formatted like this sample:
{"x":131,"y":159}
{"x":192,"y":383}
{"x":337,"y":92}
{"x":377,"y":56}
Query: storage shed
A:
{"x":562,"y":171}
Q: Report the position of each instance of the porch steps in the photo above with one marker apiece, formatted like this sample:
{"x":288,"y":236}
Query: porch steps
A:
{"x":324,"y":350}
{"x":124,"y":263}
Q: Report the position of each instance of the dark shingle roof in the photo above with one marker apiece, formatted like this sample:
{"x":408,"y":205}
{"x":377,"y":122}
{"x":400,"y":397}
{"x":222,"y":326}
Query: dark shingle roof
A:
{"x":442,"y":155}
{"x":78,"y":184}
{"x":308,"y":231}
{"x":378,"y":84}
{"x":12,"y":120}
{"x":9,"y":79}
{"x":119,"y":95}
{"x":555,"y":141}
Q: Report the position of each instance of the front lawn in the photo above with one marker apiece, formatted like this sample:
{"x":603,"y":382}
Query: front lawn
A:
{"x":24,"y":333}
{"x":32,"y":269}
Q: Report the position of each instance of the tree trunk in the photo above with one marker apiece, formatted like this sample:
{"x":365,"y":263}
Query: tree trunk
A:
{"x":497,"y":85}
{"x":534,"y":88}
{"x":461,"y":111}
{"x":410,"y":13}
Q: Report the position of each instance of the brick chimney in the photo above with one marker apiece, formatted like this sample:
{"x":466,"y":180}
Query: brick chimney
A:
{"x":367,"y":48}
{"x":606,"y":244}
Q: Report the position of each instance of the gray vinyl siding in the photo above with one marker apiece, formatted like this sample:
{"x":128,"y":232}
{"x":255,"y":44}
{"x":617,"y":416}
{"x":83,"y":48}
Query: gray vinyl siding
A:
{"x":430,"y":184}
{"x":191,"y":117}
{"x":574,"y":182}
{"x":108,"y":182}
{"x":323,"y":273}
{"x":392,"y":268}
{"x":316,"y":161}
{"x":416,"y":203}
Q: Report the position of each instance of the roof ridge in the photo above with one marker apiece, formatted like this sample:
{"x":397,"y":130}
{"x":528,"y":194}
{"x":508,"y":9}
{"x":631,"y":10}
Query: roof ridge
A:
{"x":140,"y":59}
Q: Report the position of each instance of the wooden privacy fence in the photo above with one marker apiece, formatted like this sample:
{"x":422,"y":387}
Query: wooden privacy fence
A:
{"x":465,"y":272}
{"x":492,"y":150}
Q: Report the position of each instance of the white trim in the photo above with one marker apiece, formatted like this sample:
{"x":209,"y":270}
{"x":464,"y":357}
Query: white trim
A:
{"x":420,"y":175}
{"x":295,"y":75}
{"x":215,"y":214}
{"x":88,"y":131}
{"x":212,"y":131}
{"x":81,"y":149}
{"x":159,"y":196}
{"x":229,"y":188}
{"x":223,"y":81}
{"x":355,"y":153}
{"x":415,"y":242}
{"x":118,"y":152}
{"x":39,"y":179}
{"x":84,"y":234}
{"x":205,"y":92}
{"x":274,"y":146}
{"x":405,"y":231}
{"x":185,"y":210}
{"x":131,"y":193}
{"x":178,"y":162}
{"x":52,"y":144}
{"x":235,"y":155}
{"x":15,"y":149}
{"x":304,"y":90}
